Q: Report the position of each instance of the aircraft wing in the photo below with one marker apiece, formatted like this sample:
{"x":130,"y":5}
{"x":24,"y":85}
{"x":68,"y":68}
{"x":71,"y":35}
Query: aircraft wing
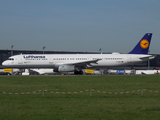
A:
{"x":84,"y":64}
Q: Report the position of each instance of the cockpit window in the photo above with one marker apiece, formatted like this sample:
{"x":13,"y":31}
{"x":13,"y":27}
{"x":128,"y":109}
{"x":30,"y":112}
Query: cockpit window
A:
{"x":11,"y":59}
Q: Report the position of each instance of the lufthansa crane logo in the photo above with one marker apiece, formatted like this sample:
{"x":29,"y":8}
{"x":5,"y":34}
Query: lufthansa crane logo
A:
{"x":144,"y":43}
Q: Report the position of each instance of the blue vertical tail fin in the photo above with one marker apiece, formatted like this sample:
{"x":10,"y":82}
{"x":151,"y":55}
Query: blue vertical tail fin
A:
{"x":143,"y":46}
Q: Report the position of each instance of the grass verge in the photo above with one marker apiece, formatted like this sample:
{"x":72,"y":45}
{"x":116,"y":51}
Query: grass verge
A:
{"x":79,"y":106}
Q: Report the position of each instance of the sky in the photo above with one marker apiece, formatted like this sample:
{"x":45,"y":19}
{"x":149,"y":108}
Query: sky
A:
{"x":79,"y":25}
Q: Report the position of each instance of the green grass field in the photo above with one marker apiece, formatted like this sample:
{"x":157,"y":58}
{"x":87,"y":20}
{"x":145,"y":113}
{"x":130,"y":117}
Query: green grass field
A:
{"x":80,"y":106}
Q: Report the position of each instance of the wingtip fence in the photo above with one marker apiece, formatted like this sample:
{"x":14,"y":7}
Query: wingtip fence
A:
{"x":89,"y":90}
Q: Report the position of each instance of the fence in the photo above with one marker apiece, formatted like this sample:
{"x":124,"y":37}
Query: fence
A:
{"x":91,"y":90}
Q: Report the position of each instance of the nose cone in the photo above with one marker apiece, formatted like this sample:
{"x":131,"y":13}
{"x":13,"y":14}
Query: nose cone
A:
{"x":5,"y":63}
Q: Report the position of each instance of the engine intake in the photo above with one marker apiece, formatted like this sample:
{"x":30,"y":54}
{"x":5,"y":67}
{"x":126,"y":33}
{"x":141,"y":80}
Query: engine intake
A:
{"x":65,"y":68}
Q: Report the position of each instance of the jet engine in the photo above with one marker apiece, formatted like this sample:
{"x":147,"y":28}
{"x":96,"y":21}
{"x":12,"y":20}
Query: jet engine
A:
{"x":64,"y":68}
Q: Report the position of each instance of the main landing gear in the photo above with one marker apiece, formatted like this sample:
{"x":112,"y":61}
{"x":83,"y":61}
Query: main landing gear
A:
{"x":78,"y":72}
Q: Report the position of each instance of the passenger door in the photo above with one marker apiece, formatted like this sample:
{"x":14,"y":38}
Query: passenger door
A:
{"x":20,"y":61}
{"x":129,"y":60}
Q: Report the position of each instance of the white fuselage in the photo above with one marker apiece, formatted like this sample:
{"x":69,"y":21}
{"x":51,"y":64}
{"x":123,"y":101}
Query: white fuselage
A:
{"x":54,"y":60}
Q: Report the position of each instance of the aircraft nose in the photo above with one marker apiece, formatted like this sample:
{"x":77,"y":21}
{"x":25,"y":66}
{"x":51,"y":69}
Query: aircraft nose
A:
{"x":5,"y":63}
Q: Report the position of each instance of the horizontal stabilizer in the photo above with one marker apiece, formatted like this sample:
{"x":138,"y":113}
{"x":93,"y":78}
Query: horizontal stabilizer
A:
{"x":147,"y":58}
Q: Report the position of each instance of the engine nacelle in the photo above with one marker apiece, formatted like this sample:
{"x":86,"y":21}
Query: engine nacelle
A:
{"x":65,"y":68}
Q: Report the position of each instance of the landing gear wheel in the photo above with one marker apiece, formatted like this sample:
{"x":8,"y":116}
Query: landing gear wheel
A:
{"x":78,"y":72}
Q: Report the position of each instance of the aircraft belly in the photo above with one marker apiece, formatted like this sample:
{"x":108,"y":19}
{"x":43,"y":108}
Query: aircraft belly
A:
{"x":40,"y":66}
{"x":30,"y":66}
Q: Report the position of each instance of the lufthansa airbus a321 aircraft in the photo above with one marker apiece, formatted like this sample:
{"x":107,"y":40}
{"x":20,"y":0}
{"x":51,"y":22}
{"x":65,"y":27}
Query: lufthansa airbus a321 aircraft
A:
{"x":76,"y":62}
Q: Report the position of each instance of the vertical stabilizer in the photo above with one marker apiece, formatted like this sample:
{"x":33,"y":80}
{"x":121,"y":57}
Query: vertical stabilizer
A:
{"x":143,"y":46}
